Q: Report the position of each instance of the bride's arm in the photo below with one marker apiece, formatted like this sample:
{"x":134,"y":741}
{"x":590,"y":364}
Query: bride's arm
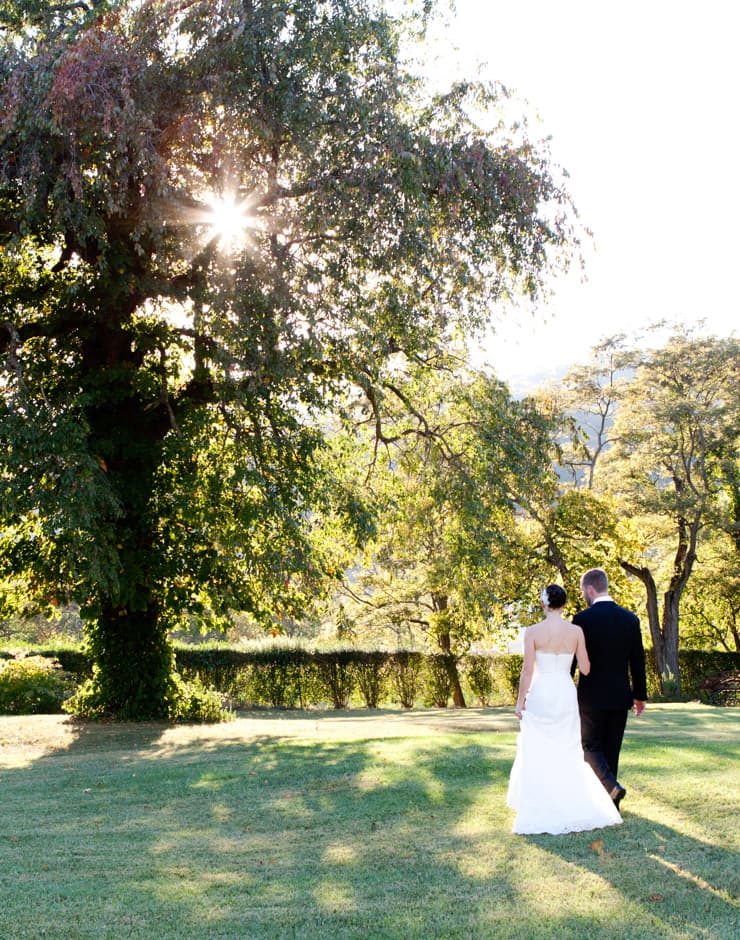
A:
{"x":525,"y":680}
{"x":584,"y":664}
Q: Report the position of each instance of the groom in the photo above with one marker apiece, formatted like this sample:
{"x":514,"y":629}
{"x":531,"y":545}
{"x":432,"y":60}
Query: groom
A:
{"x":605,"y":695}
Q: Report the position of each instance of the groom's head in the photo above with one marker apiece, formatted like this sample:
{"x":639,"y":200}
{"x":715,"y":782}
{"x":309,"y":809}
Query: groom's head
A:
{"x":594,"y":583}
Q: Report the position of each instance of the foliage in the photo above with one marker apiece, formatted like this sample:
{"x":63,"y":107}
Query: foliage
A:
{"x":407,"y":677}
{"x":188,"y":700}
{"x":335,"y":675}
{"x":710,"y":612}
{"x":676,"y":437}
{"x":33,"y":685}
{"x":446,"y":483}
{"x":280,"y":675}
{"x":371,"y":672}
{"x":507,"y":671}
{"x":696,"y":665}
{"x":437,"y":687}
{"x":480,"y":678}
{"x":587,"y":398}
{"x":196,"y":703}
{"x":165,"y":387}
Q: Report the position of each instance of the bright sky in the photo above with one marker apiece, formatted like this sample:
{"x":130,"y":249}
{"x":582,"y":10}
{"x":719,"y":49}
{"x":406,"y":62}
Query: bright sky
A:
{"x":641,"y":100}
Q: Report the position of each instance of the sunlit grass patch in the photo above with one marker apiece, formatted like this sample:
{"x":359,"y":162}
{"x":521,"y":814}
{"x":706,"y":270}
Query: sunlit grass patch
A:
{"x":366,"y":827}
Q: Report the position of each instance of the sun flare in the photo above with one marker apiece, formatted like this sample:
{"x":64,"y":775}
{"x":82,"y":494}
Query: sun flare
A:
{"x":228,"y":220}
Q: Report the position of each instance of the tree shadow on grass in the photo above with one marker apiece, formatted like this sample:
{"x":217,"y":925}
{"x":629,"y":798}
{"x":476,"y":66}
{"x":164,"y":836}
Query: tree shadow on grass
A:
{"x":230,"y":838}
{"x":681,"y":886}
{"x":223,"y":836}
{"x":674,"y":859}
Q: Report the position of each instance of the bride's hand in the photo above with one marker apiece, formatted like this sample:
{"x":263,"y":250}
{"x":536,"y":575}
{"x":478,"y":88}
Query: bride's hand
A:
{"x":518,"y":711}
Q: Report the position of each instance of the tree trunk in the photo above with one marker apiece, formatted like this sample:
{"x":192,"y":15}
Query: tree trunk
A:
{"x":444,"y":640}
{"x":669,"y":671}
{"x":665,"y":633}
{"x":132,"y":658}
{"x":458,"y":698}
{"x":133,"y":662}
{"x":651,"y":592}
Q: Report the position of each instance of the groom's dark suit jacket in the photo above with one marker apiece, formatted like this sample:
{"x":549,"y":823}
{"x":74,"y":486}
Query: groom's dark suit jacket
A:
{"x":614,"y":645}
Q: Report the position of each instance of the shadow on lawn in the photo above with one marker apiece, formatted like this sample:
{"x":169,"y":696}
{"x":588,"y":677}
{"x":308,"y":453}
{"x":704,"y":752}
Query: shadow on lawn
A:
{"x":230,"y":838}
{"x":277,"y":837}
{"x":683,"y":886}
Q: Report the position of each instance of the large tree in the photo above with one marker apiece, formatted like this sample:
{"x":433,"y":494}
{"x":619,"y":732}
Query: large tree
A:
{"x":673,"y":468}
{"x":214,"y":216}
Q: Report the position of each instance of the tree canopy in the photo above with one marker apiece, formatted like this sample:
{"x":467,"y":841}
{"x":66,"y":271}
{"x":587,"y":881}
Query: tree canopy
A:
{"x":214,"y":218}
{"x":673,"y":467}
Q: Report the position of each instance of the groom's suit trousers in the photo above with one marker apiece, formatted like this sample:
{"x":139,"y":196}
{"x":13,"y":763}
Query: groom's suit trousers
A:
{"x":602,"y":730}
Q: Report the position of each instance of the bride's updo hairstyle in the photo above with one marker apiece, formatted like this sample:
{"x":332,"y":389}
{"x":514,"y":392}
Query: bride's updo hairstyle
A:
{"x":553,"y":597}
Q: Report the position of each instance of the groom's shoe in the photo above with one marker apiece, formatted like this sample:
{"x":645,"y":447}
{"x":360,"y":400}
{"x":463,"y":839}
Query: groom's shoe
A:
{"x":618,"y":793}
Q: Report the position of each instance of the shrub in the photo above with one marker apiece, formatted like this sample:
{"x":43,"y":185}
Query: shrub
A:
{"x":194,"y":702}
{"x":696,"y":665}
{"x":87,"y":702}
{"x":480,"y":678}
{"x":437,"y":682}
{"x":216,"y":666}
{"x":279,"y":677}
{"x":335,"y":675}
{"x":506,"y":672}
{"x":189,"y":701}
{"x":406,"y":676}
{"x":371,"y":672}
{"x":32,"y":685}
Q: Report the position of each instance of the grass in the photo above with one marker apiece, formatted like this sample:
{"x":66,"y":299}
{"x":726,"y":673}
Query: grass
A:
{"x":344,"y":825}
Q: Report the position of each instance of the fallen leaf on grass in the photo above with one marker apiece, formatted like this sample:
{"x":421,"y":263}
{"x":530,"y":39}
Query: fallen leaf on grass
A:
{"x":657,"y":897}
{"x":598,"y":846}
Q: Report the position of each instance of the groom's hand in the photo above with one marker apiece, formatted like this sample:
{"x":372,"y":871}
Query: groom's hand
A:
{"x":638,"y":707}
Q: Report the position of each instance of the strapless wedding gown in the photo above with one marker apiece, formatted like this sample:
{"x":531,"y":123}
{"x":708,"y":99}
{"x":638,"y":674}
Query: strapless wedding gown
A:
{"x":551,"y":787}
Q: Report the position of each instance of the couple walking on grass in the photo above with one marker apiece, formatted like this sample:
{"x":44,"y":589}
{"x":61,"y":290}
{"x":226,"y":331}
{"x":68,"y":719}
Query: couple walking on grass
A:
{"x":564,"y":777}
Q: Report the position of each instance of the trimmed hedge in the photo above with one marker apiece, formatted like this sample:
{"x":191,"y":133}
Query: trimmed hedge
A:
{"x":282,"y":676}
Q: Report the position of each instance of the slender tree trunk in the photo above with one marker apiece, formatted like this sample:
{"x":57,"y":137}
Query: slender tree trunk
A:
{"x":651,"y":593}
{"x":664,"y":632}
{"x":444,"y":641}
{"x":669,"y":671}
{"x":458,"y":698}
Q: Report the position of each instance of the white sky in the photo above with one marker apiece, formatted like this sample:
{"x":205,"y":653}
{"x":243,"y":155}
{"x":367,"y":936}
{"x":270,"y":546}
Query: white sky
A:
{"x":641,"y":100}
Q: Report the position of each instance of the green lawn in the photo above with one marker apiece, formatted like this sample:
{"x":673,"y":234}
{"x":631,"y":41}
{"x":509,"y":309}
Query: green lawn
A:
{"x":356,"y":824}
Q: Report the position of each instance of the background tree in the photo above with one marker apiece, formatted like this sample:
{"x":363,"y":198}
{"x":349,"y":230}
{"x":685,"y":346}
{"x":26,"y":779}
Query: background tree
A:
{"x":163,"y":398}
{"x":675,"y":431}
{"x":710,"y":614}
{"x":447,"y":460}
{"x":587,"y":398}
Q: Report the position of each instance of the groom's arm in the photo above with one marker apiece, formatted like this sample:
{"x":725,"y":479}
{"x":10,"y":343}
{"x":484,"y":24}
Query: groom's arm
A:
{"x":637,"y":670}
{"x":574,"y":664}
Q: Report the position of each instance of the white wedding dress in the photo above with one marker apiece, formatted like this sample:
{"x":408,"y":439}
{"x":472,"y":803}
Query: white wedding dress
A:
{"x":551,"y":787}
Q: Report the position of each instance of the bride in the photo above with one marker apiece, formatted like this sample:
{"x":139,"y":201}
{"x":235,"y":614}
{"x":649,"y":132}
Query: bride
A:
{"x":551,"y":787}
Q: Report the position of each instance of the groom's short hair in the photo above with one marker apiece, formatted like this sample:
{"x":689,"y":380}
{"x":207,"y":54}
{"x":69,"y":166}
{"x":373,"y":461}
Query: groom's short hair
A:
{"x":597,"y":579}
